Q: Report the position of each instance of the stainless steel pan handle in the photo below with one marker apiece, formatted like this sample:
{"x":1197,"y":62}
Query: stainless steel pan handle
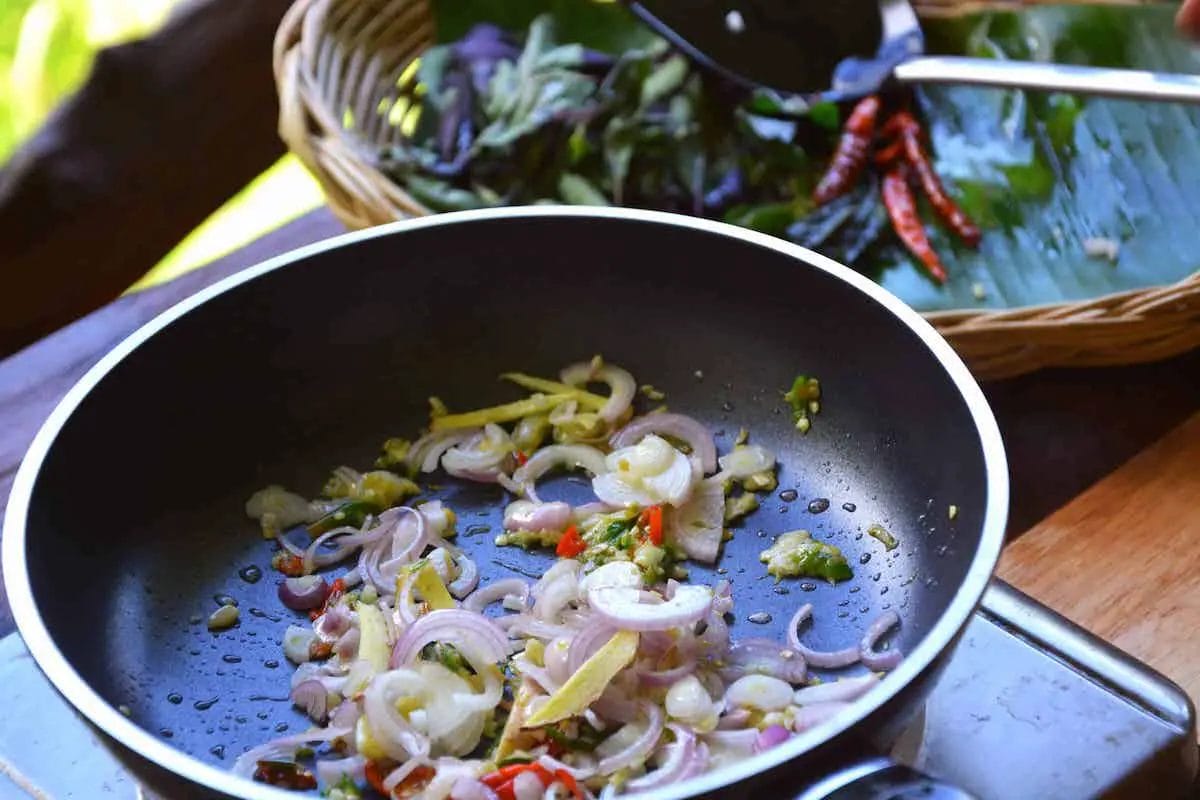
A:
{"x":880,"y":779}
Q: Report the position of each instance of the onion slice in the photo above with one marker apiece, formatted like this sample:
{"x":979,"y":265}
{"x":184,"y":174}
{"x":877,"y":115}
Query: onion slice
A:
{"x":311,"y":696}
{"x":843,"y":691}
{"x":873,"y":659}
{"x":331,"y":770}
{"x":666,"y":677}
{"x":525,"y":515}
{"x":640,"y":748}
{"x":698,"y":526}
{"x":811,"y":716}
{"x":479,"y":639}
{"x":679,"y":754}
{"x":818,"y":658}
{"x":578,"y":772}
{"x":586,"y":642}
{"x":389,"y":728}
{"x":746,"y":460}
{"x":480,"y":458}
{"x":427,"y":452}
{"x":621,"y":384}
{"x":468,"y":576}
{"x":771,"y":736}
{"x":345,"y":715}
{"x":284,"y":747}
{"x":471,"y":789}
{"x":573,"y":456}
{"x":620,"y":606}
{"x":741,"y":741}
{"x":484,"y":596}
{"x":764,"y":657}
{"x":304,"y":592}
{"x":393,"y":778}
{"x":697,"y":437}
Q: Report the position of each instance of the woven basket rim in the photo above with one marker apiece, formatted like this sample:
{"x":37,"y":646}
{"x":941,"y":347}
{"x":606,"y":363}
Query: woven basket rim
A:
{"x":321,"y":56}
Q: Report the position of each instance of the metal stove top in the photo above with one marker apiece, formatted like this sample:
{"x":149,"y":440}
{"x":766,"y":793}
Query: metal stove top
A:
{"x":1030,"y":706}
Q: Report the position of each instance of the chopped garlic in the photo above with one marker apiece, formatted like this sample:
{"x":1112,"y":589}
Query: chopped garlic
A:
{"x":1102,"y":247}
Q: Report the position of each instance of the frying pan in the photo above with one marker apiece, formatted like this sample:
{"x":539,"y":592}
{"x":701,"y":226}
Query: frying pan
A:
{"x":126,"y":515}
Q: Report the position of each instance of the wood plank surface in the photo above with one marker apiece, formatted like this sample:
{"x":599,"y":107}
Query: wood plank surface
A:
{"x":1123,"y":558}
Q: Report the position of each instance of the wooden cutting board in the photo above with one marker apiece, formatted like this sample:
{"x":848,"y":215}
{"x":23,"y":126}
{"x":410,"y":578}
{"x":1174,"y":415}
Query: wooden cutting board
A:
{"x":1123,"y":558}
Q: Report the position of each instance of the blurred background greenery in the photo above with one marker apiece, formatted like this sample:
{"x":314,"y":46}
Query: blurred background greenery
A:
{"x":46,"y":50}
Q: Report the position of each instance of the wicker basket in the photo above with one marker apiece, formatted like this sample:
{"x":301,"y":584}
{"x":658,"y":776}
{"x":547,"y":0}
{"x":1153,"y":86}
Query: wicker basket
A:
{"x":337,"y":63}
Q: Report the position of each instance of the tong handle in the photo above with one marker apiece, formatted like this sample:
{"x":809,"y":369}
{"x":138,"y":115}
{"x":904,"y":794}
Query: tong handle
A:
{"x":1122,"y":83}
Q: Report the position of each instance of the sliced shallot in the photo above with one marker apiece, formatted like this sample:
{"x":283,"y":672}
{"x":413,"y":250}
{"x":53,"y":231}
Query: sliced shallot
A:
{"x":311,"y":696}
{"x":525,"y":515}
{"x":484,"y":596}
{"x":621,"y":607}
{"x":284,"y":747}
{"x":304,"y":592}
{"x":572,"y":456}
{"x":811,"y":716}
{"x":678,"y":755}
{"x":687,"y":430}
{"x":834,"y":659}
{"x":764,"y":657}
{"x":642,"y":746}
{"x":843,"y":690}
{"x":621,"y":384}
{"x":873,"y":659}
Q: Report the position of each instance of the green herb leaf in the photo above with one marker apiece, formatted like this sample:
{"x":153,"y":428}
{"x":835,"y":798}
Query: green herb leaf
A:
{"x":577,"y":190}
{"x":440,"y":195}
{"x":664,"y":80}
{"x":619,"y":138}
{"x":826,"y":115}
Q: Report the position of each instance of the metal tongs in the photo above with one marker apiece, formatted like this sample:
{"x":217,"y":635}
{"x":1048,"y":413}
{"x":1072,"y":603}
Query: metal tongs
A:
{"x":843,"y":49}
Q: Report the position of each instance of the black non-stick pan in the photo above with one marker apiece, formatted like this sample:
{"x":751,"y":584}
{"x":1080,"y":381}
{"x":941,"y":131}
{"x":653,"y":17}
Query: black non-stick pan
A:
{"x":126,"y":518}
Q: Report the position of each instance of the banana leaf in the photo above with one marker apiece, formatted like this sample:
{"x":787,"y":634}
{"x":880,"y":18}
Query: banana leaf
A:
{"x":1046,"y":176}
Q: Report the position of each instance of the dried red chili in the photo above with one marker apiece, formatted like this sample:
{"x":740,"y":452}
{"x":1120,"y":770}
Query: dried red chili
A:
{"x":902,"y":208}
{"x":850,"y":156}
{"x":909,"y":132}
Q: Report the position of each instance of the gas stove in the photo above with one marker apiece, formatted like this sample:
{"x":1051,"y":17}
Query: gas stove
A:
{"x":1030,"y":706}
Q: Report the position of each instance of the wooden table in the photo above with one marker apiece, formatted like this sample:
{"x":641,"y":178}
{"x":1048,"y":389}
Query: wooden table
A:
{"x":1097,"y":557}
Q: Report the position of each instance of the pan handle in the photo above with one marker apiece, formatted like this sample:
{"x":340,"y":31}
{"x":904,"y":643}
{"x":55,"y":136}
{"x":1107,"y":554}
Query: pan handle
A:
{"x":881,"y":779}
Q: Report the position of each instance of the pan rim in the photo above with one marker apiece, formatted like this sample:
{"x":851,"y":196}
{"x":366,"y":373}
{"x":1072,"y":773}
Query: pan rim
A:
{"x":87,"y":701}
